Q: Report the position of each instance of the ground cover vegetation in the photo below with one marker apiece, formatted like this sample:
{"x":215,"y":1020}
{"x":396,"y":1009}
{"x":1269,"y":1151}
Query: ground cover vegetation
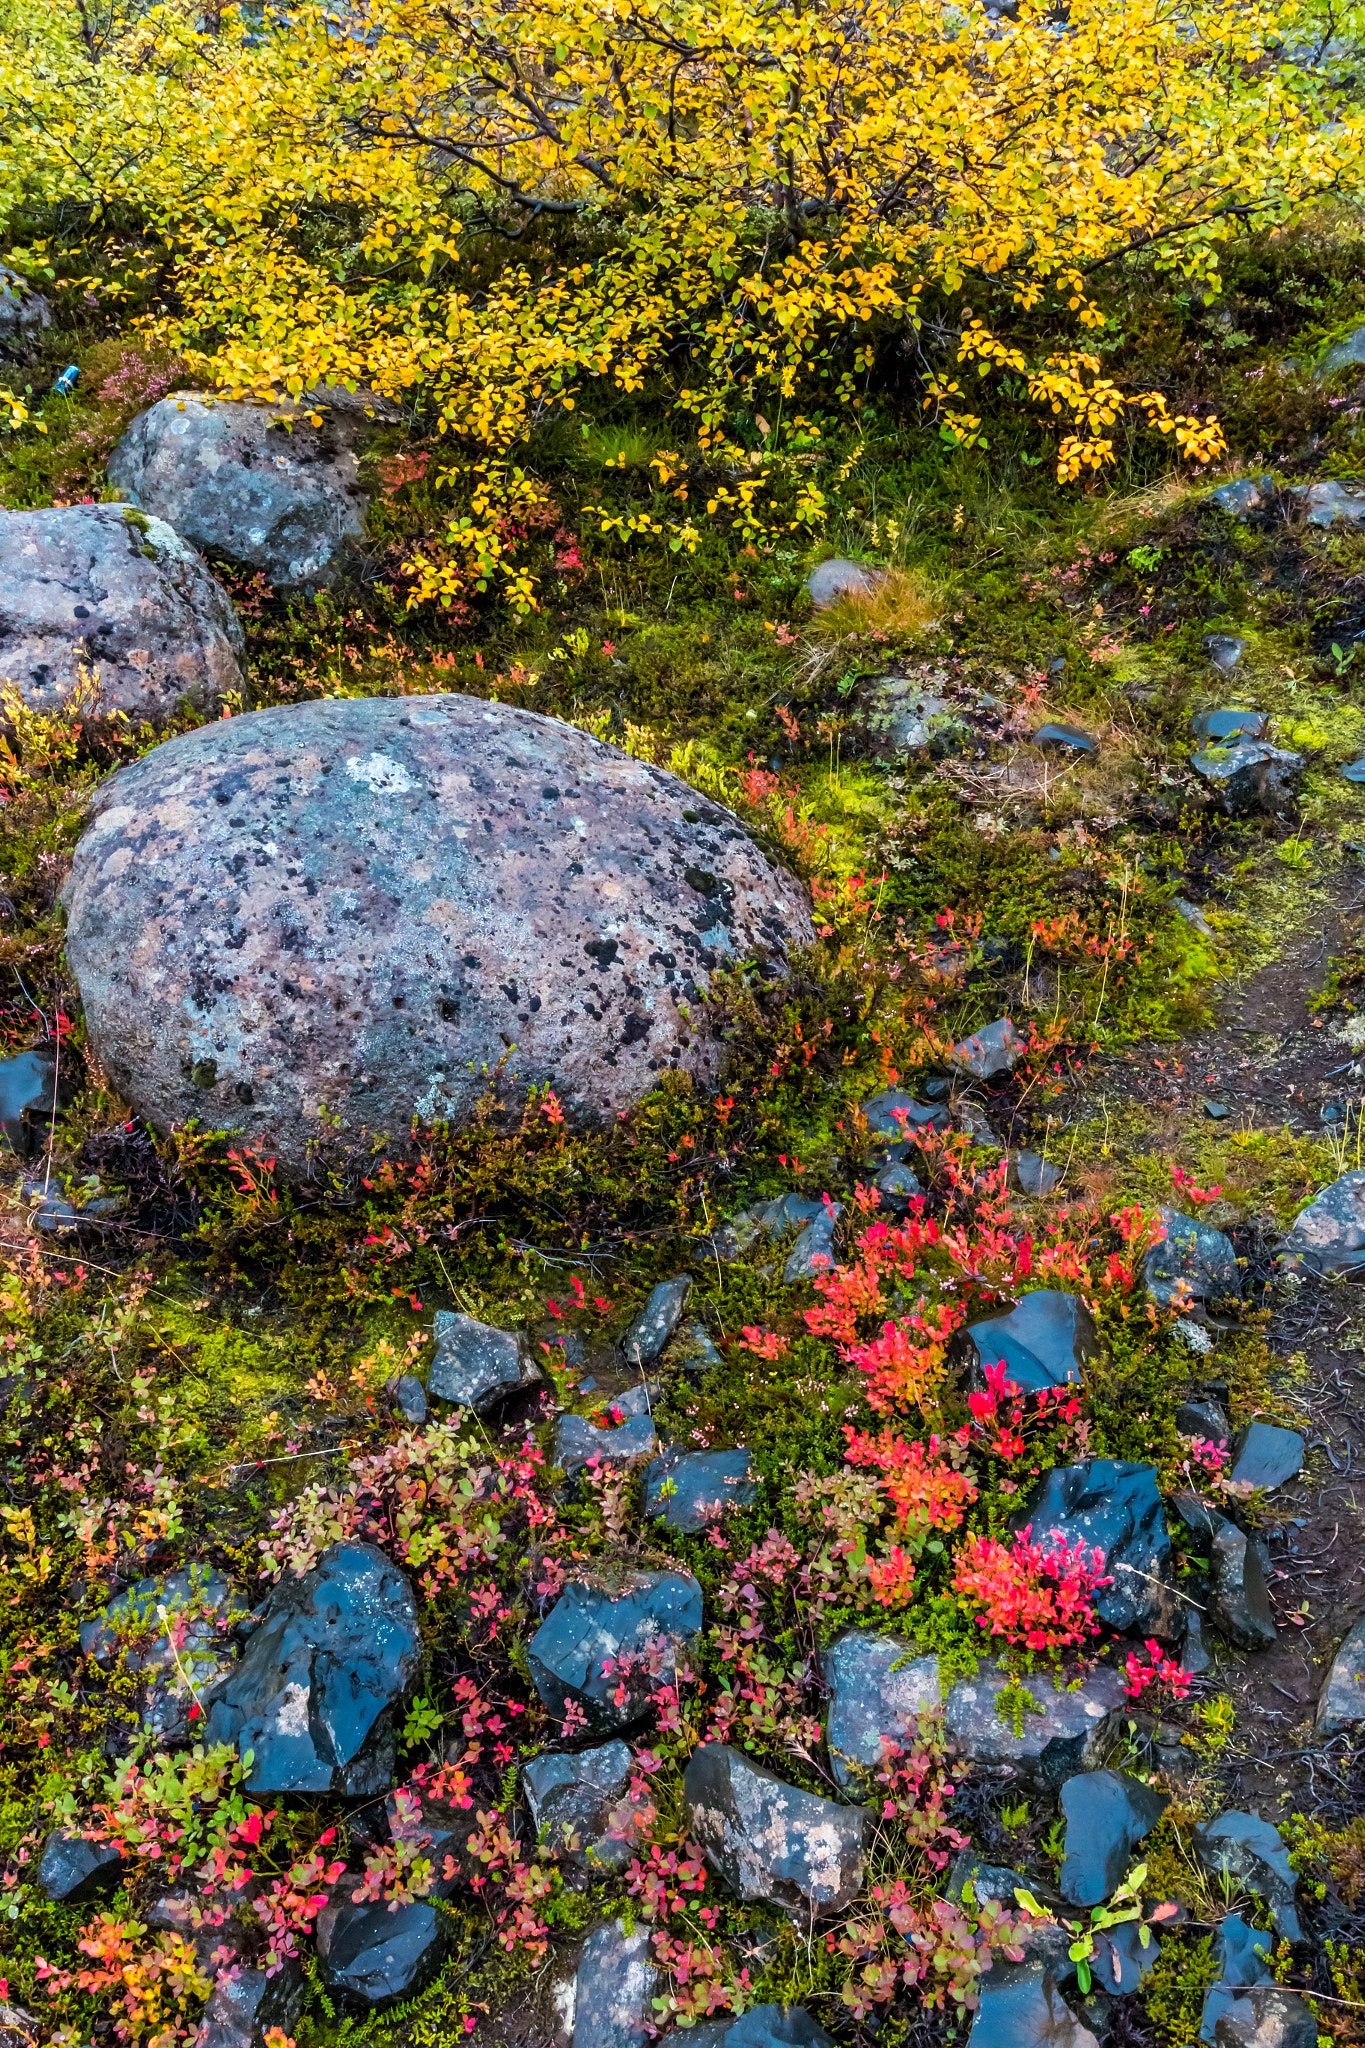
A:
{"x":659,"y":309}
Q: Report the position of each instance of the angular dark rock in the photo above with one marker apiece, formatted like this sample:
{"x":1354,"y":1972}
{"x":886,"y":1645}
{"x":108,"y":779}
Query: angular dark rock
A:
{"x":988,"y":1881}
{"x":893,"y":1116}
{"x":571,"y":1799}
{"x":1121,"y":1964}
{"x":1243,"y":1953}
{"x":657,"y":1321}
{"x":475,"y":1364}
{"x":1239,"y":1604}
{"x":1341,"y":1703}
{"x":706,"y":1486}
{"x":636,"y":1400}
{"x":1346,"y":354}
{"x":762,"y":2026}
{"x":1022,"y":2007}
{"x":201,"y":1608}
{"x":73,"y":1871}
{"x":1249,"y":775}
{"x":1269,"y":2017}
{"x":312,"y":1697}
{"x":876,"y":1684}
{"x":1194,"y":1261}
{"x":258,"y":949}
{"x":1115,"y":1508}
{"x":990,"y":1052}
{"x":1224,"y":650}
{"x":100,"y":588}
{"x":614,"y":1990}
{"x":1251,"y":1852}
{"x":896,"y":1187}
{"x":378,"y":1957}
{"x":576,"y":1443}
{"x":438,"y":1826}
{"x":244,"y":2008}
{"x":1324,"y":502}
{"x":1354,"y":771}
{"x":1033,"y":1175}
{"x":1065,"y":739}
{"x":1328,"y":1237}
{"x":1248,"y":494}
{"x":1267,"y":1456}
{"x":1194,"y":1656}
{"x":587,"y":1626}
{"x":1221,"y":728}
{"x":1068,"y":1732}
{"x":692,"y":1349}
{"x":28,"y":1100}
{"x":1205,"y":1419}
{"x":829,"y":581}
{"x":1046,"y":1340}
{"x":814,"y":1250}
{"x":409,"y":1397}
{"x":1107,"y":1814}
{"x":770,"y":1841}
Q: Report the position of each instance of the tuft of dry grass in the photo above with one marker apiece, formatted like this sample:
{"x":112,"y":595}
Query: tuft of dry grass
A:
{"x":901,"y":603}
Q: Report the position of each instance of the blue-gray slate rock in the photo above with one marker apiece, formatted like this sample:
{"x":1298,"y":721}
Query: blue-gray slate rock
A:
{"x":261,"y":946}
{"x":771,"y":1842}
{"x":1022,"y":2007}
{"x":588,"y":1626}
{"x":1224,"y":650}
{"x":245,"y":2007}
{"x":876,"y":1685}
{"x":1223,"y":726}
{"x":1268,"y":2017}
{"x":577,"y":1443}
{"x":23,"y":312}
{"x":762,"y":2026}
{"x":1328,"y":1237}
{"x":571,"y":1799}
{"x":692,"y":1349}
{"x":1238,"y":1602}
{"x":1194,"y":1261}
{"x":1243,"y":1954}
{"x":1065,"y":739}
{"x":1267,"y":1456}
{"x":106,"y":590}
{"x":1324,"y":502}
{"x":1065,"y":1731}
{"x":1354,"y":771}
{"x":1341,"y":1703}
{"x":615,"y":1988}
{"x":1113,"y":1507}
{"x":409,"y":1397}
{"x":241,"y":481}
{"x":201,"y":1608}
{"x":1121,"y":1964}
{"x":28,"y":1099}
{"x":813,"y":1251}
{"x":1248,"y":494}
{"x":1046,"y":1340}
{"x":705,"y":1486}
{"x":439,"y":1829}
{"x":893,"y":1116}
{"x":1031,"y":1174}
{"x":897,"y":1185}
{"x":476,"y":1365}
{"x":991,"y":1052}
{"x":987,"y":1880}
{"x":73,"y":1872}
{"x":1248,"y":775}
{"x":657,"y":1321}
{"x":1205,"y":1419}
{"x":1107,"y":1814}
{"x":312,"y":1697}
{"x":378,"y":1957}
{"x":1251,"y":1852}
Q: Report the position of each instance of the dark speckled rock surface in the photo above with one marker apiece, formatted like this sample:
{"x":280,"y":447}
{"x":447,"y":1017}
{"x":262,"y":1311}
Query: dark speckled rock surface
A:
{"x":364,"y":906}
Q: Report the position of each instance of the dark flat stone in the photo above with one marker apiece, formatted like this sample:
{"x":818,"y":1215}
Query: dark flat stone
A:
{"x":572,"y":1797}
{"x":1341,"y":1703}
{"x":1251,"y":1852}
{"x":657,"y":1321}
{"x":1107,"y":1814}
{"x":1070,"y":1731}
{"x":1065,"y":739}
{"x":1044,"y":1341}
{"x":244,"y":2008}
{"x":1022,"y":2007}
{"x":587,"y":1626}
{"x":1243,"y":1954}
{"x":377,"y":1956}
{"x":990,"y":1052}
{"x":615,"y":1988}
{"x":74,"y":1872}
{"x":1267,"y":1456}
{"x":772,"y":1842}
{"x":893,"y":1115}
{"x":1113,"y":1507}
{"x":476,"y":1365}
{"x":1220,"y":727}
{"x":706,"y":1486}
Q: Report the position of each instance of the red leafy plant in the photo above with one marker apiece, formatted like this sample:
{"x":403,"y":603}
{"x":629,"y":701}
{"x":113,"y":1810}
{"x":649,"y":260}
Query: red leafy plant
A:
{"x":1034,"y":1596}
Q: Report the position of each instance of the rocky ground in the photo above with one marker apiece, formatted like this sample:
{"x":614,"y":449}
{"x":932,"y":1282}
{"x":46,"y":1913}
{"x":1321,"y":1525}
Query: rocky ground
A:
{"x":682,"y":1275}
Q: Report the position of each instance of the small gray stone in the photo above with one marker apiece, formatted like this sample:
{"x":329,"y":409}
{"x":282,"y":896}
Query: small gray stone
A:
{"x":576,"y":1443}
{"x":893,"y":1116}
{"x":1022,"y":2007}
{"x":1221,"y":728}
{"x":1346,"y":354}
{"x":244,"y":2007}
{"x":1323,"y":503}
{"x":1217,"y":1112}
{"x":1121,"y":1964}
{"x":693,"y":1350}
{"x":763,"y":2026}
{"x":770,"y":1841}
{"x":706,"y":1486}
{"x":1354,"y":771}
{"x":893,"y":719}
{"x":1046,"y":1340}
{"x":1248,"y":494}
{"x":1224,"y":650}
{"x":409,"y":1398}
{"x":1328,"y":1237}
{"x":439,"y":1828}
{"x":1341,"y":1703}
{"x":1239,"y":1604}
{"x":1194,"y":1261}
{"x":73,"y":1871}
{"x":1268,"y":2017}
{"x":28,"y":1099}
{"x":657,"y":1321}
{"x":1064,"y":1733}
{"x":990,"y":1052}
{"x":571,"y":1800}
{"x":589,"y":1627}
{"x":476,"y":1366}
{"x":813,"y":1251}
{"x":614,"y":1991}
{"x":380,"y":1956}
{"x":1107,"y":1814}
{"x":1194,"y":1657}
{"x":1193,"y":916}
{"x":829,"y":581}
{"x":1242,"y":1953}
{"x":1251,"y":1852}
{"x":637,"y":1400}
{"x":1266,"y":1456}
{"x":1065,"y":739}
{"x":896,"y":1186}
{"x":988,"y":1881}
{"x":23,"y":312}
{"x":1031,"y":1174}
{"x":876,"y":1685}
{"x":1249,"y":775}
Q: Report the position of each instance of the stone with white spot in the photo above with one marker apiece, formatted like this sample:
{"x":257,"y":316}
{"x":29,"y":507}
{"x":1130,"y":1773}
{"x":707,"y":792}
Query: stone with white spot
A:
{"x":772,"y":1842}
{"x":316,"y":925}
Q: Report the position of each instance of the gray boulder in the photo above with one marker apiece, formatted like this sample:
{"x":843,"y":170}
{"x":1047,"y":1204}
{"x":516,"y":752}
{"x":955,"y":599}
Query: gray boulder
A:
{"x":244,"y":2007}
{"x":409,"y":1397}
{"x":829,"y":581}
{"x":259,"y":947}
{"x":1107,"y":1814}
{"x":379,"y":1956}
{"x":241,"y":481}
{"x":1341,"y":1703}
{"x":876,"y":1685}
{"x":814,"y":1250}
{"x":1194,"y":1261}
{"x":73,"y":1871}
{"x":1046,"y":1340}
{"x":987,"y":1880}
{"x":771,"y":1842}
{"x":23,"y":312}
{"x":589,"y":1627}
{"x":476,"y":1365}
{"x":894,"y":719}
{"x":571,"y":1799}
{"x":312,"y":1698}
{"x":1064,"y":1731}
{"x":1067,"y":740}
{"x":1249,"y":1851}
{"x":991,"y":1052}
{"x":1324,"y":503}
{"x":690,"y":1490}
{"x":1267,"y":1456}
{"x":614,"y":1990}
{"x":1328,"y":1237}
{"x":1248,"y":775}
{"x":103,"y":589}
{"x":1031,"y":1174}
{"x":1248,"y":494}
{"x":171,"y":1675}
{"x":657,"y":1321}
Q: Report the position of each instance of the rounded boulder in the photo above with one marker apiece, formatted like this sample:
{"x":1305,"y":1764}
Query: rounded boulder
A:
{"x":106,"y":591}
{"x":316,"y":925}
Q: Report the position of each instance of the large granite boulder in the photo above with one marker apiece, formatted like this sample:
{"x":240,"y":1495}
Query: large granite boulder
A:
{"x":1328,"y":1237}
{"x":877,"y":1684}
{"x":173,"y":1632}
{"x":1113,"y":1507}
{"x":770,"y":1841}
{"x":573,"y":1655}
{"x":377,"y":1955}
{"x":256,"y":484}
{"x":103,"y":589}
{"x":1065,"y":1730}
{"x":363,"y":909}
{"x":312,"y":1698}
